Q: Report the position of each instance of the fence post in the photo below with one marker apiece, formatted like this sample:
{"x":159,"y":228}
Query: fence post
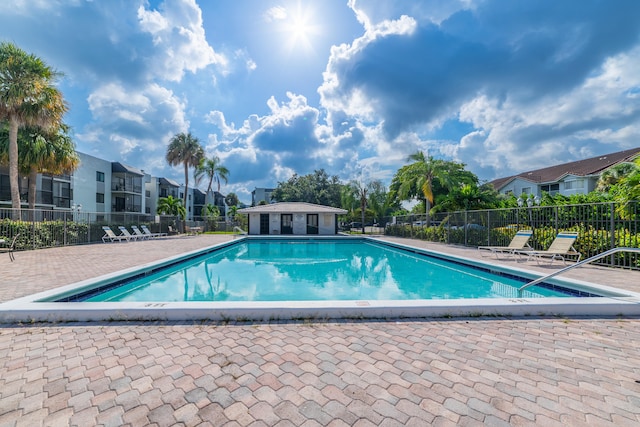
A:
{"x":466,"y":228}
{"x":612,"y":225}
{"x":488,"y":227}
{"x":33,"y":229}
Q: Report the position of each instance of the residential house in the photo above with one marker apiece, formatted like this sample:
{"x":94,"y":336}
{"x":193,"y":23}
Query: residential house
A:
{"x":579,"y":177}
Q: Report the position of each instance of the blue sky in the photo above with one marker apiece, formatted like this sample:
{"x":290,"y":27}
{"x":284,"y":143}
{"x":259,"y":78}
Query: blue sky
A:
{"x":281,"y":87}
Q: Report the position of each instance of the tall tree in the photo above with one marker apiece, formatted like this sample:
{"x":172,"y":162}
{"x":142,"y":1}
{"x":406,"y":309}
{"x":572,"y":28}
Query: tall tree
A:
{"x":348,"y":201}
{"x":41,"y":152}
{"x":232,"y":200}
{"x":316,"y":188}
{"x":185,"y":149}
{"x":27,"y":97}
{"x":427,"y":177}
{"x":214,"y":170}
{"x":379,"y":201}
{"x":360,"y":191}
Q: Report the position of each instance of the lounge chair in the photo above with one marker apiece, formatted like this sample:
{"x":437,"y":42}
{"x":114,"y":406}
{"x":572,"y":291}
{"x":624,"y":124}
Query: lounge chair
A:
{"x":149,"y":233}
{"x":520,"y":242}
{"x":561,"y":247}
{"x":111,"y":236}
{"x":126,"y":233}
{"x":11,"y":248}
{"x":139,"y":234}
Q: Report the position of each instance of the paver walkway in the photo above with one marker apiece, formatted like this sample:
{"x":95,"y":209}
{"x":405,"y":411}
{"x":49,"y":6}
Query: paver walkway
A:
{"x":480,"y":371}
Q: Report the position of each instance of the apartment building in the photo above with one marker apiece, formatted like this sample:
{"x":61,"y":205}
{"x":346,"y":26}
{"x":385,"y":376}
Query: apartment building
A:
{"x":260,"y":194}
{"x":102,"y":186}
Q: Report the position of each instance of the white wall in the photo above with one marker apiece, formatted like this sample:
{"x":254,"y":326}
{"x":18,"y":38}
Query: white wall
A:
{"x":326,"y":223}
{"x":85,"y":185}
{"x":518,"y":185}
{"x":254,"y":223}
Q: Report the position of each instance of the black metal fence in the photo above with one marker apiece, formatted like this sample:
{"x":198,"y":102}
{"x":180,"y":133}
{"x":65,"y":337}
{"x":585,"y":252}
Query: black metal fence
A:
{"x":601,"y":226}
{"x":49,"y":228}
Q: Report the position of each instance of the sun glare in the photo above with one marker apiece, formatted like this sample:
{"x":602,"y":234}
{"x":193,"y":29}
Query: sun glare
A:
{"x":299,"y":28}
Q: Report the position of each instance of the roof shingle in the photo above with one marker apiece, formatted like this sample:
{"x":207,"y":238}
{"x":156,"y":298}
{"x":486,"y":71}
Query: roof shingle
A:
{"x":591,"y":166}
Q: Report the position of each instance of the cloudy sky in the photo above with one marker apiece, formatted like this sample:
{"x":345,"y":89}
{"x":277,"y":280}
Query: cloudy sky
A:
{"x":281,"y":87}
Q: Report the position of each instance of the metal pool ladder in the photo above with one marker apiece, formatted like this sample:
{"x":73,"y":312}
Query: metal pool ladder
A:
{"x":578,"y":264}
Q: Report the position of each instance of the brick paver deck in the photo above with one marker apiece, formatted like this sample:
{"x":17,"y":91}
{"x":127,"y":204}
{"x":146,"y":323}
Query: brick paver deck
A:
{"x":480,"y":371}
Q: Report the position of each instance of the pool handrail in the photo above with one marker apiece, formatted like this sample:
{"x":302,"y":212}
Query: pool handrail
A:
{"x":578,"y":264}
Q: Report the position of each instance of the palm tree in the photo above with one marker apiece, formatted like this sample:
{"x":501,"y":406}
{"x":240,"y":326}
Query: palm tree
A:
{"x":231,"y":200}
{"x":213,"y":169}
{"x":233,"y":212}
{"x":421,"y":175}
{"x":171,"y":206}
{"x":360,"y":191}
{"x":185,"y":149}
{"x":348,"y":201}
{"x":614,"y":175}
{"x":41,"y":152}
{"x":27,"y":97}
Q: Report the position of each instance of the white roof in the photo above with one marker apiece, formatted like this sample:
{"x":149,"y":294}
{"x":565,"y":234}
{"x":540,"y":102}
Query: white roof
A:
{"x":292,"y":207}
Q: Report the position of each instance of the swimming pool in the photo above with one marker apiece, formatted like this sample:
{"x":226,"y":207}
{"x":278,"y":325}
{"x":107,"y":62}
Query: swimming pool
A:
{"x":315,"y":270}
{"x":380,"y":297}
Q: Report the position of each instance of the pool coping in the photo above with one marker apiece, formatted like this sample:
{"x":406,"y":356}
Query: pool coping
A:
{"x":29,"y":309}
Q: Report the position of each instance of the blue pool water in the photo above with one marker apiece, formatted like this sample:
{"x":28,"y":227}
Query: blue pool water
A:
{"x":315,"y":270}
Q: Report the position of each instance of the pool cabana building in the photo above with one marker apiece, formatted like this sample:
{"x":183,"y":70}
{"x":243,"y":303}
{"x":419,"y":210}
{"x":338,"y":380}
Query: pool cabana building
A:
{"x":294,"y":218}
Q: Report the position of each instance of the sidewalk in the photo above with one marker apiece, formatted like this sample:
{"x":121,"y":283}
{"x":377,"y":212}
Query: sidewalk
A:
{"x":393,"y":372}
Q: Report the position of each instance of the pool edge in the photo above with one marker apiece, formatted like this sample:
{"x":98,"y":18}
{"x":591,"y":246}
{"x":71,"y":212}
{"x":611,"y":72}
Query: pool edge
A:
{"x":29,"y":309}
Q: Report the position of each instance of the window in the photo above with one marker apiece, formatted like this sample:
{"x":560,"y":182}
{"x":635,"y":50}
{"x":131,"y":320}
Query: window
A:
{"x":99,"y":197}
{"x":573,"y":185}
{"x":99,"y":176}
{"x":550,"y":188}
{"x":526,"y":190}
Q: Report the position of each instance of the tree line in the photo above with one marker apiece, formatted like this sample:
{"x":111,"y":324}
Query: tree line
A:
{"x":437,"y":185}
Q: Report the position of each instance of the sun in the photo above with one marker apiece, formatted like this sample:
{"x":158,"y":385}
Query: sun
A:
{"x":299,"y":28}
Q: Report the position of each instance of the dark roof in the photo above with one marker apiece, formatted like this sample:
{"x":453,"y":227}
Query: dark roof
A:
{"x":169,"y":182}
{"x":121,"y":168}
{"x":592,"y":166}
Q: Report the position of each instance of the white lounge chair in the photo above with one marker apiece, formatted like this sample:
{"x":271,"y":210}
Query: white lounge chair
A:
{"x":561,"y":247}
{"x":125,"y":232}
{"x":139,"y":234}
{"x":149,"y":233}
{"x":110,"y":236}
{"x":520,"y":242}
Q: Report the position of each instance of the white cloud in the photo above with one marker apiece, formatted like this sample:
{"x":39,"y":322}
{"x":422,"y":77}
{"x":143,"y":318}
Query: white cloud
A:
{"x":515,"y":136}
{"x":136,"y":122}
{"x":275,"y":13}
{"x":180,"y":39}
